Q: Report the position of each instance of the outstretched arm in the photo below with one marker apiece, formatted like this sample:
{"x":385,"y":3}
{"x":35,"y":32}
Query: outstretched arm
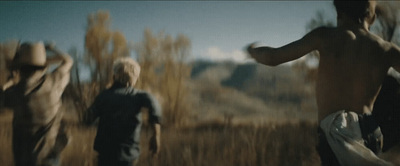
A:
{"x":90,"y":116}
{"x":92,"y":113}
{"x":62,"y":73}
{"x":12,"y":80}
{"x":8,"y":84}
{"x":64,"y":59}
{"x":275,"y":56}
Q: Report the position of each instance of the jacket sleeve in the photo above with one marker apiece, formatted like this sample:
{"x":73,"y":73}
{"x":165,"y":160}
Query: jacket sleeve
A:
{"x":92,"y":113}
{"x":154,"y":108}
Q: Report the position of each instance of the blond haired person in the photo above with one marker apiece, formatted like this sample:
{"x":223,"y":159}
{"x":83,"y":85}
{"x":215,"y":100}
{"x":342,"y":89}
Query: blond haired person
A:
{"x":353,"y":64}
{"x":38,"y":136}
{"x":119,"y":112}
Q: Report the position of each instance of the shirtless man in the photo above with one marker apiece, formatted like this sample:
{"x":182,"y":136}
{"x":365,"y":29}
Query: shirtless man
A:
{"x":38,"y":136}
{"x":353,"y":64}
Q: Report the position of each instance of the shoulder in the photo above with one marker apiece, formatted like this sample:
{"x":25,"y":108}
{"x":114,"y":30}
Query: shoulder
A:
{"x":103,"y":95}
{"x":383,"y":45}
{"x":320,"y":35}
{"x":142,"y":94}
{"x":58,"y":79}
{"x":129,"y":92}
{"x":321,"y":32}
{"x":147,"y":97}
{"x":317,"y":37}
{"x":389,"y":51}
{"x":392,"y":50}
{"x":323,"y":29}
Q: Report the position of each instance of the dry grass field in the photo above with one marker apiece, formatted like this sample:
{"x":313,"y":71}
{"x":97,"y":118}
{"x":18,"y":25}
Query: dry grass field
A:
{"x":207,"y":144}
{"x":225,"y":127}
{"x":215,"y":113}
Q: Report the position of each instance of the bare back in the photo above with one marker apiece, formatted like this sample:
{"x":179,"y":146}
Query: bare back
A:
{"x":40,"y":105}
{"x":352,"y":67}
{"x":37,"y":117}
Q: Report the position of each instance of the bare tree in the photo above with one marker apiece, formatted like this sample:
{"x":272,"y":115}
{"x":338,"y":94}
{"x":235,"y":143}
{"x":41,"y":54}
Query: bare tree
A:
{"x":103,"y":46}
{"x":7,"y":52}
{"x":165,"y":71}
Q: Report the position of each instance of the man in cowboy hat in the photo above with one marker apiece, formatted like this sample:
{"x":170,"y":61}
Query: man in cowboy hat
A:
{"x":35,"y":97}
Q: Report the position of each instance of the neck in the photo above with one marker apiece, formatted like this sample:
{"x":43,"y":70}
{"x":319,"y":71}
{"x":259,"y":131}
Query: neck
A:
{"x":350,"y":24}
{"x":118,"y":84}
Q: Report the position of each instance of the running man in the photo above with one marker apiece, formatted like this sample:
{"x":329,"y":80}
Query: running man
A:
{"x":353,"y":64}
{"x":119,"y":112}
{"x":38,"y":135}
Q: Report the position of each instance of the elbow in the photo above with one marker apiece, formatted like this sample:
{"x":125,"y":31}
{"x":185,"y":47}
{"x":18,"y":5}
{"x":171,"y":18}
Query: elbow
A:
{"x":268,"y":57}
{"x":269,"y":61}
{"x":68,"y":59}
{"x":68,"y":62}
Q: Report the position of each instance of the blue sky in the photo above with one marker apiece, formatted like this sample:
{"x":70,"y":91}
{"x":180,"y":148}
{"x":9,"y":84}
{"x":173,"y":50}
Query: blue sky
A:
{"x":218,"y":30}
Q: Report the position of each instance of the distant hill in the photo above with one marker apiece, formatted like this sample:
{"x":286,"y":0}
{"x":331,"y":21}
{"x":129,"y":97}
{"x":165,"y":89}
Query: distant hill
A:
{"x":253,"y":90}
{"x":240,"y":75}
{"x":275,"y":83}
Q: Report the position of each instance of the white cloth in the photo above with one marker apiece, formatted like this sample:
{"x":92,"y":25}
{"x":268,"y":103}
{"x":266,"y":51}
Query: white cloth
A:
{"x":343,"y":133}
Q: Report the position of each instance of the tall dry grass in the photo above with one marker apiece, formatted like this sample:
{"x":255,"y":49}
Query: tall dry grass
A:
{"x":222,"y":144}
{"x":162,"y":58}
{"x":165,"y":73}
{"x":206,"y":144}
{"x":6,"y":157}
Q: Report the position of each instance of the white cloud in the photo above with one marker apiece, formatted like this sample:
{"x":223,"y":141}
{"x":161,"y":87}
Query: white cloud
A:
{"x":217,"y":54}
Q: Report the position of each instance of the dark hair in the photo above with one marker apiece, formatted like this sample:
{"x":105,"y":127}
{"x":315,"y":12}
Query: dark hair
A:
{"x":356,"y":10}
{"x":28,"y":70}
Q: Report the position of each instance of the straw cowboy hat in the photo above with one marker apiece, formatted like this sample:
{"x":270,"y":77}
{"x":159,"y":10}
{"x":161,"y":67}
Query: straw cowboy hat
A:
{"x":30,"y":54}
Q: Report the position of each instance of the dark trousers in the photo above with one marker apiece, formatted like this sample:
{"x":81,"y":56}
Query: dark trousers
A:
{"x":106,"y":160}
